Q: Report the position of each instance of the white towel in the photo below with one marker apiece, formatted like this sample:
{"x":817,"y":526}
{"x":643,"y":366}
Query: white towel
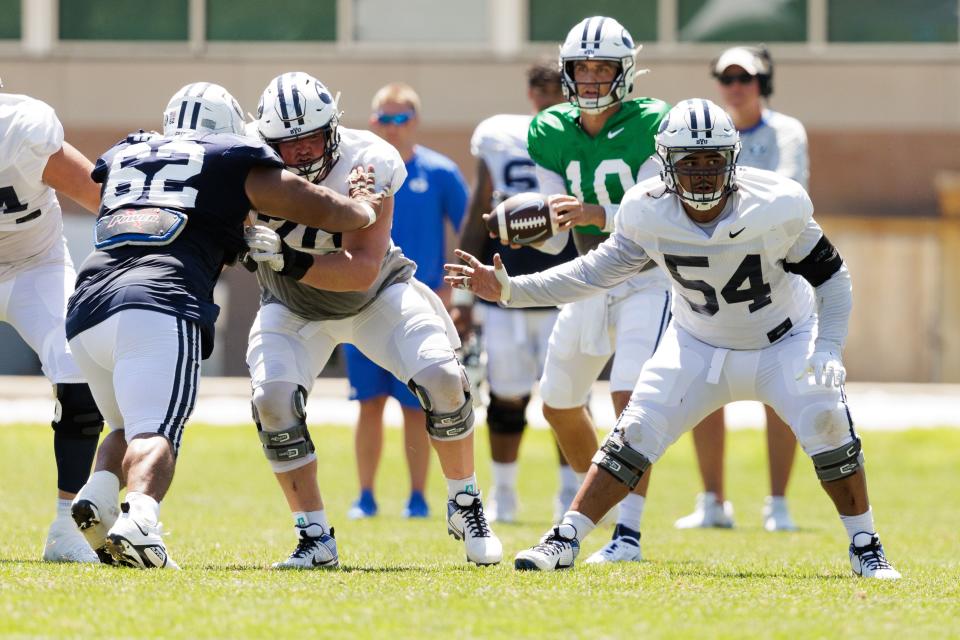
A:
{"x":595,"y":337}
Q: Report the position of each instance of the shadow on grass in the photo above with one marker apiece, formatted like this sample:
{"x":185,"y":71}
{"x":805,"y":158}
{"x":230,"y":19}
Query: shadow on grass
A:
{"x":698,"y":569}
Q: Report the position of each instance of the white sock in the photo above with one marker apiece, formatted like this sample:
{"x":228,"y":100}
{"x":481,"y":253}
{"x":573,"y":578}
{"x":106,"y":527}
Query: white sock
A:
{"x":504,"y":474}
{"x":143,"y":507}
{"x":102,"y":484}
{"x":309,"y":521}
{"x":466,"y":485}
{"x":631,"y":511}
{"x":568,"y":478}
{"x":580,"y":522}
{"x":858,"y":524}
{"x":63,"y":506}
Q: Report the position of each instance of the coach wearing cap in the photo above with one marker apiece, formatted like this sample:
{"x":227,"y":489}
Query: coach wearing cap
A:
{"x":776,"y":142}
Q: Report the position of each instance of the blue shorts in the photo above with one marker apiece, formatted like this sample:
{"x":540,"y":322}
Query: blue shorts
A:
{"x":369,"y":380}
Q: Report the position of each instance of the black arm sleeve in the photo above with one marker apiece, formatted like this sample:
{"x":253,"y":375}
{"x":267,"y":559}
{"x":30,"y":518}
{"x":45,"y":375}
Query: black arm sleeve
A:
{"x":823,"y":261}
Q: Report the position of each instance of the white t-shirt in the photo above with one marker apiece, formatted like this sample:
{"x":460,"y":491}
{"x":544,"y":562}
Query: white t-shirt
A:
{"x":30,"y":217}
{"x":777,"y":143}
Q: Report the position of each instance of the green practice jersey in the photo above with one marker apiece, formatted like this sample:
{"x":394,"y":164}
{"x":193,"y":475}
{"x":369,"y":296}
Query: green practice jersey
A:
{"x":596,"y":170}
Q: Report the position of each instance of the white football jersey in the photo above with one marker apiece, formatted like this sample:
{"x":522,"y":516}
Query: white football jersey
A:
{"x":30,"y":217}
{"x":501,"y":142}
{"x":356,"y":148}
{"x":730,"y":288}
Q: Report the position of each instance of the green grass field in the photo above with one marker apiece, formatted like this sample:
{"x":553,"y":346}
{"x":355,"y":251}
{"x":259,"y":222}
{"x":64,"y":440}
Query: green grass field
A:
{"x":227,"y":523}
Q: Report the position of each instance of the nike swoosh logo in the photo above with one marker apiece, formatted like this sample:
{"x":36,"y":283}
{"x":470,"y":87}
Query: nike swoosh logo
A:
{"x":613,"y":134}
{"x":321,"y":564}
{"x":517,"y":239}
{"x":734,"y":235}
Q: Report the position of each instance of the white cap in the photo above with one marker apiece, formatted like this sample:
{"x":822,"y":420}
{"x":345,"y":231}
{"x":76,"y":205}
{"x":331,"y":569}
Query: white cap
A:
{"x":740,"y":57}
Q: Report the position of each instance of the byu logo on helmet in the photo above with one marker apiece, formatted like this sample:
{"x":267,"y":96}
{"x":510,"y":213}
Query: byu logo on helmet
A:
{"x":598,"y":38}
{"x":296,"y":105}
{"x":693,"y":126}
{"x":202,"y":107}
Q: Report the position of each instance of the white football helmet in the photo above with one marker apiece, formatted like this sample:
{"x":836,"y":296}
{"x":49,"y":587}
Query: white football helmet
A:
{"x":598,"y":38}
{"x":696,"y":125}
{"x":297,"y":105}
{"x":202,"y":107}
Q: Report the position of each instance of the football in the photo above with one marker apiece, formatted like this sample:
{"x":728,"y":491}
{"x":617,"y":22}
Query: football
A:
{"x":525,"y":218}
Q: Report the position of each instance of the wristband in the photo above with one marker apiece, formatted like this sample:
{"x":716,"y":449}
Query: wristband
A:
{"x":370,"y":212}
{"x":295,"y":263}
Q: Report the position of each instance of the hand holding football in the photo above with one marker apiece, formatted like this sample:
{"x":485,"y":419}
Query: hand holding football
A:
{"x":523,"y":219}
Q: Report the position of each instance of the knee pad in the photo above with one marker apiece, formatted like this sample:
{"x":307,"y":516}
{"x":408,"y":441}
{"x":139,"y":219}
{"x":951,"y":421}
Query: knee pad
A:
{"x":839,"y":463}
{"x":445,"y":398}
{"x":507,"y":416}
{"x":824,"y":426}
{"x":621,"y":461}
{"x":279,"y":411}
{"x":76,"y":414}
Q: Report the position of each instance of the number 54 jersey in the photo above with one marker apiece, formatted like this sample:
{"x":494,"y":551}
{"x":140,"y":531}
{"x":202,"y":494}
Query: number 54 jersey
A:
{"x":732,"y":287}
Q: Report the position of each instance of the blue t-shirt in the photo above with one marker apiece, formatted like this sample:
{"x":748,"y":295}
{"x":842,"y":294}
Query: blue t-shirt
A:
{"x":434,"y":190}
{"x":202,"y":177}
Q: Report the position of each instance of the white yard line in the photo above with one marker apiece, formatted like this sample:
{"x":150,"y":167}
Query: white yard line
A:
{"x":225,"y":402}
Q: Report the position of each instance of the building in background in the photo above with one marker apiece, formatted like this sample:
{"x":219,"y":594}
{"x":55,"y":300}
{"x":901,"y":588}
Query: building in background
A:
{"x":876,"y":89}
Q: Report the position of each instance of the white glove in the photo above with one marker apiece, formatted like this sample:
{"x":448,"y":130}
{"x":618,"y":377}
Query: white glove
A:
{"x":827,"y":369}
{"x":264,"y":246}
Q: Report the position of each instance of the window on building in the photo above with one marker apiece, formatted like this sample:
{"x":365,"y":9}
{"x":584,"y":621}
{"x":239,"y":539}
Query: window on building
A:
{"x":892,"y":21}
{"x":742,"y":20}
{"x":124,"y":20}
{"x":10,"y":24}
{"x":421,"y":21}
{"x":278,"y":20}
{"x":551,"y":20}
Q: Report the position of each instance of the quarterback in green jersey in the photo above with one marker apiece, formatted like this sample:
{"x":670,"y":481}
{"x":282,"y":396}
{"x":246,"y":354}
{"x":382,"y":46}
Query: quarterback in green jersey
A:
{"x":588,"y":152}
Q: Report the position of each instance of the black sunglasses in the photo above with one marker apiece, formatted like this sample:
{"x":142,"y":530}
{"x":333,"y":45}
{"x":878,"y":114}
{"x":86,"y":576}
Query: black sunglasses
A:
{"x":743,"y":78}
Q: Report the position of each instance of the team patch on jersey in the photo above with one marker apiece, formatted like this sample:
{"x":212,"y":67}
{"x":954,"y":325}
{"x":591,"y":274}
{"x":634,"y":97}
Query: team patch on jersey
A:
{"x":145,"y":226}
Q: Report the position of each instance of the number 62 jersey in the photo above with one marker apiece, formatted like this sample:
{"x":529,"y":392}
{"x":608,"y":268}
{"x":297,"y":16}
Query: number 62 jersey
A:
{"x":743,"y":285}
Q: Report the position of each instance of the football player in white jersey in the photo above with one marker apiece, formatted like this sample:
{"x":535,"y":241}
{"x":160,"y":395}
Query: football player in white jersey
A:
{"x":776,"y":142}
{"x":761,"y":305}
{"x":322,"y":289}
{"x":36,"y":278}
{"x":515,"y":340}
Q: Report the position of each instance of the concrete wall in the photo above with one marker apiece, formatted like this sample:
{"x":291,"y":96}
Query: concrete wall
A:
{"x":880,"y":126}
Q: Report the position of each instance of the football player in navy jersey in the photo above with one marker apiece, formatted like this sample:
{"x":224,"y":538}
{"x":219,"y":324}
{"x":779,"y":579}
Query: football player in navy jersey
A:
{"x":142,"y":317}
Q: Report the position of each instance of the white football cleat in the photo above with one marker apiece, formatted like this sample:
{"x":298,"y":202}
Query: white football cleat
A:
{"x":65,"y":543}
{"x":776,"y":516}
{"x":558,"y":549}
{"x":312,"y":552}
{"x":868,"y":560}
{"x":94,"y":521}
{"x":138,"y":544}
{"x":562,"y":502}
{"x":708,"y":513}
{"x":503,"y":505}
{"x":466,"y":521}
{"x":623,"y":547}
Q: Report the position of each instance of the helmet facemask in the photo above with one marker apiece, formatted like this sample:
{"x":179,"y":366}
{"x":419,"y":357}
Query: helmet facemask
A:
{"x":601,"y":39}
{"x":295,"y":106}
{"x":675,"y":173}
{"x":616,"y":93}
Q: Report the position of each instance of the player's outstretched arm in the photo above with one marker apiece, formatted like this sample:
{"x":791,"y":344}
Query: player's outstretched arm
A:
{"x":68,"y":171}
{"x":356,"y":267}
{"x":282,"y":194}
